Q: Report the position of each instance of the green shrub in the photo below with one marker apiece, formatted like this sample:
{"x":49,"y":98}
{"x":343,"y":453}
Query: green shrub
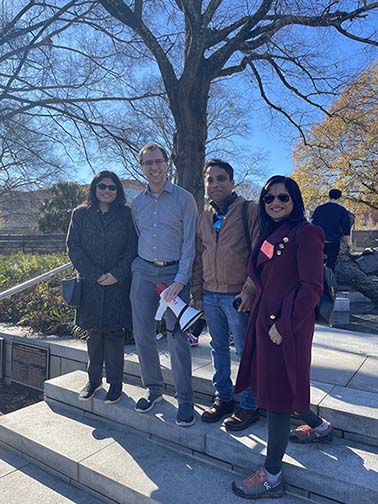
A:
{"x":40,"y":307}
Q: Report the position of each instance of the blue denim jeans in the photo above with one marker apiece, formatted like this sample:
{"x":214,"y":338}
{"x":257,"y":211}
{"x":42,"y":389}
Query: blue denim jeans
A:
{"x":223,"y":320}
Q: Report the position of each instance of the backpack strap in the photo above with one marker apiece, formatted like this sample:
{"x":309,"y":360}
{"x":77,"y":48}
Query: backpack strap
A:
{"x":299,"y":229}
{"x":245,"y":224}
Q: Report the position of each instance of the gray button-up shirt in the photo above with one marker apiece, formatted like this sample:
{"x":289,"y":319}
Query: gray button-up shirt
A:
{"x":166,"y":226}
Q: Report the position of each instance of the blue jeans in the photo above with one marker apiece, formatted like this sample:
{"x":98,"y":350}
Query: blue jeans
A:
{"x":223,"y":319}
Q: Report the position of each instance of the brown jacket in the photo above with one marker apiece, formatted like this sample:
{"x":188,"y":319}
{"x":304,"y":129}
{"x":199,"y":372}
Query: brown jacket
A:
{"x":221,"y":266}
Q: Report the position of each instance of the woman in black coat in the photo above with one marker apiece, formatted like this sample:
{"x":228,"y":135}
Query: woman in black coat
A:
{"x":101,"y":244}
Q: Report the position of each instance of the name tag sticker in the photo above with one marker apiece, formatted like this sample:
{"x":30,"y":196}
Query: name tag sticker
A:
{"x":267,"y":249}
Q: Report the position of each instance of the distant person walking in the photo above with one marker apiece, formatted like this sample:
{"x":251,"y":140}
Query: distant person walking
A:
{"x":334,"y":219}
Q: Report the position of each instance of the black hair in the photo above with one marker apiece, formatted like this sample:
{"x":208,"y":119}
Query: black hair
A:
{"x":296,"y":216}
{"x":221,"y":164}
{"x":335,"y":194}
{"x":92,"y":200}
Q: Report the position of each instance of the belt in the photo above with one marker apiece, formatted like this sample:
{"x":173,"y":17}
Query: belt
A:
{"x":161,"y":264}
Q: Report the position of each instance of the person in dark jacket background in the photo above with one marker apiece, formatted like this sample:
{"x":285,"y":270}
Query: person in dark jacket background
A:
{"x":286,"y":276}
{"x":101,"y":244}
{"x":335,"y":221}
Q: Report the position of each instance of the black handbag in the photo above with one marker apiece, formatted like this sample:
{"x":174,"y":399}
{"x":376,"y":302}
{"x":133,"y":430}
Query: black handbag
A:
{"x":324,"y":309}
{"x":71,"y":290}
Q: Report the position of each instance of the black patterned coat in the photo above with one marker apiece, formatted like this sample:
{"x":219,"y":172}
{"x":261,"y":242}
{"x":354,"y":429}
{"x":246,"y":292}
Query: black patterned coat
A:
{"x":98,"y":244}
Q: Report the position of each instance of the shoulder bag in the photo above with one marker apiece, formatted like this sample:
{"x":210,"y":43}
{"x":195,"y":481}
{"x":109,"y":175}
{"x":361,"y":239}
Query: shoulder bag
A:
{"x":71,"y":290}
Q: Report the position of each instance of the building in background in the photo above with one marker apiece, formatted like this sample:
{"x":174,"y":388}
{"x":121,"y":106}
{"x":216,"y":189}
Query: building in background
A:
{"x":19,"y":210}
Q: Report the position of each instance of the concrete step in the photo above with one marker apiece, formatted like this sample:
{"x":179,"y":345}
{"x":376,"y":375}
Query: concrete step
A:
{"x":354,"y":413}
{"x":23,"y":482}
{"x":344,"y":471}
{"x":116,"y":463}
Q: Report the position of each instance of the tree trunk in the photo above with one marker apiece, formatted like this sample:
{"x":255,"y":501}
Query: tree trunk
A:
{"x":190,"y":112}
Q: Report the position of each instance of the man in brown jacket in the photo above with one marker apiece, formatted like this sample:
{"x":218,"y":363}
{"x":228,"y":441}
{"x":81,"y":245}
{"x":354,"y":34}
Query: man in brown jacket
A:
{"x":225,"y":232}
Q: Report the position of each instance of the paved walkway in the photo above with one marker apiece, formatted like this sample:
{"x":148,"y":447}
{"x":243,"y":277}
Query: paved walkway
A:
{"x":345,"y":358}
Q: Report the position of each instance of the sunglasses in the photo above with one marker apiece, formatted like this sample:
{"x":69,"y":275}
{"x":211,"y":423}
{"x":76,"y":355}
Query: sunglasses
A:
{"x":269,"y":198}
{"x":102,"y":187}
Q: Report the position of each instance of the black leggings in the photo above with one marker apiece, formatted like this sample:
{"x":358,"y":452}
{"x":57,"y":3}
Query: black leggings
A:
{"x":278,"y":436}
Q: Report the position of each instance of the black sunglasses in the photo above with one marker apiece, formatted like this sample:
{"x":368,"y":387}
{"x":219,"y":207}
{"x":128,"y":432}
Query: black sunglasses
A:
{"x":269,"y":198}
{"x":103,"y":186}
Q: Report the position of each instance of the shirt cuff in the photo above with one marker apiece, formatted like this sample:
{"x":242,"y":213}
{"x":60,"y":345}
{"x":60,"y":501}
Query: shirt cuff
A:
{"x":181,"y":279}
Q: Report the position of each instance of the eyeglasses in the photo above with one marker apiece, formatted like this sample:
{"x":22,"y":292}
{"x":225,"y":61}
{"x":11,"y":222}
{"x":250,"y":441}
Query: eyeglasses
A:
{"x":218,"y":223}
{"x":103,"y":186}
{"x":158,"y":162}
{"x":269,"y":198}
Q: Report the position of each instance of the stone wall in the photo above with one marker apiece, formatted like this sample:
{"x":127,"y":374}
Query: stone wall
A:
{"x":33,"y":244}
{"x":362,"y":239}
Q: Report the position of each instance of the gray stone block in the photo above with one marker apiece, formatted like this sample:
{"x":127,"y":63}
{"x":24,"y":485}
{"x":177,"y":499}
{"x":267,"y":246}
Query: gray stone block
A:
{"x":352,"y":410}
{"x":72,"y":349}
{"x":53,"y":436}
{"x":333,"y":366}
{"x":340,"y":318}
{"x":159,"y":422}
{"x":54,"y":369}
{"x":32,"y":485}
{"x":344,"y":472}
{"x":342,"y":304}
{"x":68,"y":365}
{"x":331,"y":338}
{"x":66,"y":388}
{"x":366,"y":377}
{"x":144,"y":475}
{"x":9,"y":462}
{"x":319,"y":391}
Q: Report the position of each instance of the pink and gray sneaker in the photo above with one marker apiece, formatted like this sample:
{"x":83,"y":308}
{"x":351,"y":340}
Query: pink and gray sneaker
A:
{"x":305,"y":434}
{"x":193,"y":340}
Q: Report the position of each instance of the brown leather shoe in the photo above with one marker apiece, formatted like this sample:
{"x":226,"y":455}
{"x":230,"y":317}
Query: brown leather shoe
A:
{"x":241,"y":419}
{"x":217,"y":410}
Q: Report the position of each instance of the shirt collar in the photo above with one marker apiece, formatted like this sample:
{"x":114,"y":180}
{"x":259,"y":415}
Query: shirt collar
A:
{"x":226,"y":205}
{"x":168,"y":187}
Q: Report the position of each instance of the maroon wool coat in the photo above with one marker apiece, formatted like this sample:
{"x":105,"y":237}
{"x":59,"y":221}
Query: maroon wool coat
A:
{"x":288,"y":288}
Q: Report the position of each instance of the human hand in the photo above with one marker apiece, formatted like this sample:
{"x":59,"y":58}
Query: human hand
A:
{"x":107,"y":279}
{"x":172,"y":291}
{"x":245,"y":301}
{"x":274,"y":335}
{"x":198,"y":305}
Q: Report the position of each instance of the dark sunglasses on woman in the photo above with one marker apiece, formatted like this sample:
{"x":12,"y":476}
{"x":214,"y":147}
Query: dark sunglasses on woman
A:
{"x":269,"y":198}
{"x":103,"y":186}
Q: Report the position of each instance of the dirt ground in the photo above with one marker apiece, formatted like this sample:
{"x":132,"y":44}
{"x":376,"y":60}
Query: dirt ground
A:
{"x":15,"y":396}
{"x":364,"y":318}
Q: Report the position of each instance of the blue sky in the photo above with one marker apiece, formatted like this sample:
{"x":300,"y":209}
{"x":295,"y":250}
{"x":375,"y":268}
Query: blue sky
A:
{"x":270,"y":133}
{"x":275,"y":135}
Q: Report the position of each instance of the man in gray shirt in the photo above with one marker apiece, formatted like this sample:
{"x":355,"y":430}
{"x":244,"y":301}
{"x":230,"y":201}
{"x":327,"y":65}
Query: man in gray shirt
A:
{"x":165,"y":217}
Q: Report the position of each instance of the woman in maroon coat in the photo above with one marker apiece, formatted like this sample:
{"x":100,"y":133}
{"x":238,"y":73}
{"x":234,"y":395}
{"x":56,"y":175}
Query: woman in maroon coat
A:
{"x":286,"y":282}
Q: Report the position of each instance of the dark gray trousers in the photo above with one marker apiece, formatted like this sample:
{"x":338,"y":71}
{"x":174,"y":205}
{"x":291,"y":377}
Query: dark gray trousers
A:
{"x":105,"y":346}
{"x":144,"y":303}
{"x":278,"y":436}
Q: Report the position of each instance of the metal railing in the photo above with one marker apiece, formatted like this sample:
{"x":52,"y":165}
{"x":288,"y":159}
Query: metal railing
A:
{"x":34,"y":281}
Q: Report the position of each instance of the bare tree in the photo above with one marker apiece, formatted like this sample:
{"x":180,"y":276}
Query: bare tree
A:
{"x":185,"y":47}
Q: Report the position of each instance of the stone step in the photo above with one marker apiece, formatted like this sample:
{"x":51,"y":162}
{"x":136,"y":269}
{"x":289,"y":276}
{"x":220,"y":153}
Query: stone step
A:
{"x":22,"y":482}
{"x":115,"y":463}
{"x":354,"y":413}
{"x":344,"y":471}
